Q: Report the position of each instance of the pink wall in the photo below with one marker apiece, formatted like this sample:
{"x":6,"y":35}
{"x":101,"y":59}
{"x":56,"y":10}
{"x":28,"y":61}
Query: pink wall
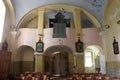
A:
{"x":29,"y":37}
{"x":91,"y":37}
{"x":69,"y":41}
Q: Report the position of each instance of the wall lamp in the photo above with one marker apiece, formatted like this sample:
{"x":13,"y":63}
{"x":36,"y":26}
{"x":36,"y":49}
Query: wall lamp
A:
{"x":13,"y":30}
{"x":107,"y":26}
{"x":118,"y":22}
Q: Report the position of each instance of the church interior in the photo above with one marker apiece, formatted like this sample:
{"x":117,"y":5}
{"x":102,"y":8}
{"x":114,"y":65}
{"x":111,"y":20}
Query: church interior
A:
{"x":59,"y":40}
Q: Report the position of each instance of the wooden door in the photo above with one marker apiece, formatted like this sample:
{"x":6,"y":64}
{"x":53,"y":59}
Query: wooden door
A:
{"x":5,"y":59}
{"x":60,"y":64}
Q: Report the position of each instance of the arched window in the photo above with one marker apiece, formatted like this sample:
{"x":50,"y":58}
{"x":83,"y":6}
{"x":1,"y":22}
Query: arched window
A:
{"x":2,"y":16}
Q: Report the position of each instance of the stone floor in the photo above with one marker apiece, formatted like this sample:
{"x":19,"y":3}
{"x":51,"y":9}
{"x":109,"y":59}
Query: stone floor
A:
{"x":58,"y":78}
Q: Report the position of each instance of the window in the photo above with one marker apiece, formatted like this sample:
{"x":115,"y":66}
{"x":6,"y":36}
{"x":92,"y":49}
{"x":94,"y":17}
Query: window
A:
{"x":88,"y":59}
{"x":2,"y":16}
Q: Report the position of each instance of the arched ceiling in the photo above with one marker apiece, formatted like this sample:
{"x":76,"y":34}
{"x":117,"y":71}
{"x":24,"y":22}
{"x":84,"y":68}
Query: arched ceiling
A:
{"x":95,"y":7}
{"x":87,"y":19}
{"x":112,"y":12}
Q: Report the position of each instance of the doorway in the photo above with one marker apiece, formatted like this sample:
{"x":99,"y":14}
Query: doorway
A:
{"x":26,"y":63}
{"x":57,"y":64}
{"x":96,"y":59}
{"x":60,"y":64}
{"x":58,"y":60}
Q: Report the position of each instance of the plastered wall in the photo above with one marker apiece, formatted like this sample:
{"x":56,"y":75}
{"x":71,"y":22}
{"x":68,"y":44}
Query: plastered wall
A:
{"x":112,"y":14}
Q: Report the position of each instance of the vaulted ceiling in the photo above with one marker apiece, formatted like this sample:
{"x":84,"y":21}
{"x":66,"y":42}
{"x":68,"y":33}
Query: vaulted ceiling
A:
{"x":23,"y":7}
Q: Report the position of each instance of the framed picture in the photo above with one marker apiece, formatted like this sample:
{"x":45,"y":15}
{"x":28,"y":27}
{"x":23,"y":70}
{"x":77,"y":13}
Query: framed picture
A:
{"x":115,"y":47}
{"x":79,"y":46}
{"x":39,"y":46}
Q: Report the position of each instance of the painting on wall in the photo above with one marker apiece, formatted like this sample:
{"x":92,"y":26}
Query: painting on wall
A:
{"x":115,"y":46}
{"x":79,"y":46}
{"x":39,"y":46}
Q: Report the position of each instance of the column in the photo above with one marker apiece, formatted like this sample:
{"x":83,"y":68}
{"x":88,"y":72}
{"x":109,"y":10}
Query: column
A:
{"x":38,"y":63}
{"x":77,"y":22}
{"x":78,"y":31}
{"x":39,"y":58}
{"x":41,"y":13}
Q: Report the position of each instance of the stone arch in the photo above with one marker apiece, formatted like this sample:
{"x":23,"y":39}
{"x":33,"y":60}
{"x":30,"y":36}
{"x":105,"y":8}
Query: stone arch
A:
{"x":60,"y":48}
{"x":98,"y":57}
{"x":57,"y":58}
{"x":27,"y":58}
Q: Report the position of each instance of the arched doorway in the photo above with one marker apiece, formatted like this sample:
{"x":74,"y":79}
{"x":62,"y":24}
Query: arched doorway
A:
{"x":27,"y":59}
{"x":96,"y":59}
{"x":56,"y":60}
